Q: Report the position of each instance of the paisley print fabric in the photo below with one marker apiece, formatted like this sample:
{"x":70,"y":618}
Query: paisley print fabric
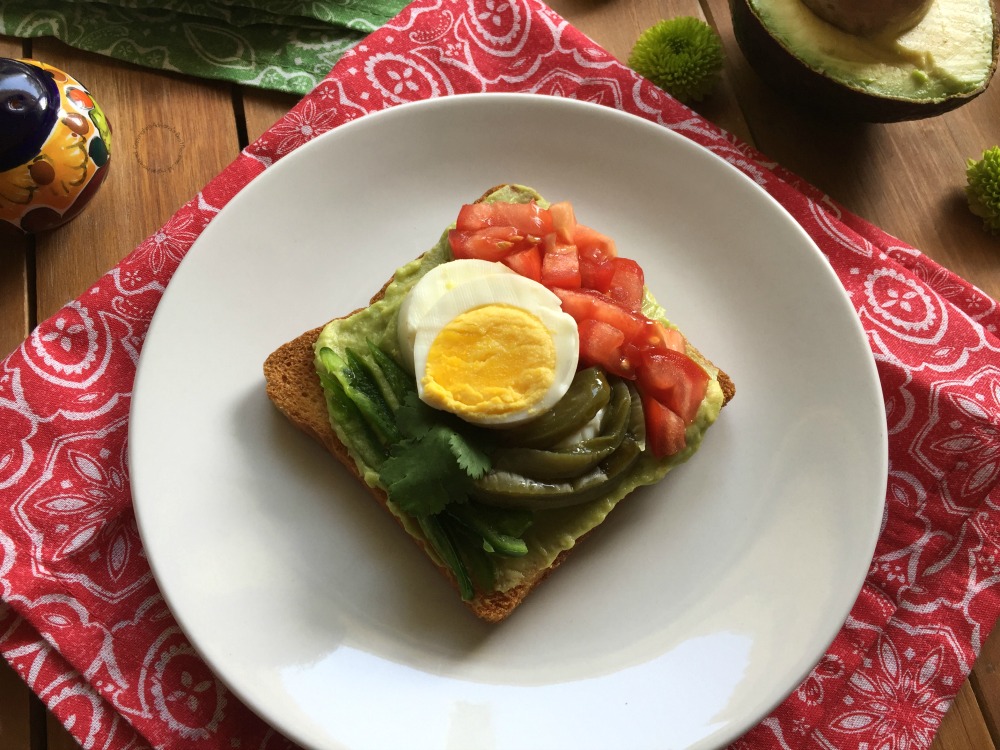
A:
{"x":83,"y":621}
{"x":286,"y":45}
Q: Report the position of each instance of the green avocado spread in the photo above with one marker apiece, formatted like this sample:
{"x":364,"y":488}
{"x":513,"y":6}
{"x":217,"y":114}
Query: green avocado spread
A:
{"x":948,"y":52}
{"x":553,"y":530}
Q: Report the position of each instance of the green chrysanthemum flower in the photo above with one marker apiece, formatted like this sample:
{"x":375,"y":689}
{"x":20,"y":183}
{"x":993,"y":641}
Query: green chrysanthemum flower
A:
{"x":983,"y":190}
{"x":682,"y":56}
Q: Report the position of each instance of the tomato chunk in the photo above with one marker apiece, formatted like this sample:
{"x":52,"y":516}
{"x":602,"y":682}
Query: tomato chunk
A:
{"x":658,"y":336}
{"x":593,"y":245}
{"x":488,"y":243}
{"x":675,"y":380}
{"x":563,"y":221}
{"x":664,"y":429}
{"x":527,"y":218}
{"x":586,"y":304}
{"x":602,"y":344}
{"x":626,"y":284}
{"x":595,"y":274}
{"x":526,"y":262}
{"x":560,"y":265}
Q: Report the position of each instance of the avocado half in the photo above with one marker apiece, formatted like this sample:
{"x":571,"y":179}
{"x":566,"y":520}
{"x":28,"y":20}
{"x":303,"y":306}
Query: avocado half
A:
{"x":942,"y":62}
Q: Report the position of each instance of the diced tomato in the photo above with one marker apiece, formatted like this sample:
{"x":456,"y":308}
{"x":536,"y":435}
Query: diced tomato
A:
{"x":593,"y":245}
{"x":602,"y":344}
{"x":488,"y":243}
{"x":526,"y":262}
{"x":563,"y":221}
{"x":664,"y":429}
{"x":675,"y":380}
{"x":655,"y":335}
{"x":560,"y":264}
{"x":626,"y":285}
{"x":528,"y":219}
{"x":595,"y":274}
{"x":586,"y":304}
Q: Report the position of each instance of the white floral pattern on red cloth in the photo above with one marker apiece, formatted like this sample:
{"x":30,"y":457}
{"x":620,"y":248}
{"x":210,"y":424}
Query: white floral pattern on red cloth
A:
{"x":83,"y":622}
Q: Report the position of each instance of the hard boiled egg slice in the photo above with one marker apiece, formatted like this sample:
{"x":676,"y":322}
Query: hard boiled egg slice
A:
{"x":433,"y":285}
{"x":496,"y":351}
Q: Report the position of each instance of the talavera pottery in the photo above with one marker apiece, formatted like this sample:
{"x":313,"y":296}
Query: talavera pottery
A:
{"x":55,"y":146}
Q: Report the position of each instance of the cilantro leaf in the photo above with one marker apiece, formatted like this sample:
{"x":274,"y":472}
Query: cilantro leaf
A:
{"x":469,"y":457}
{"x":423,"y":475}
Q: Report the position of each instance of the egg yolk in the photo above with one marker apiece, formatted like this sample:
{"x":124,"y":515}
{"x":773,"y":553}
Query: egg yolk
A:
{"x":490,"y":361}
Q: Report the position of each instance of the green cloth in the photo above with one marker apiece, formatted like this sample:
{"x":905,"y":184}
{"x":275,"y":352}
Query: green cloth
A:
{"x":287,"y":45}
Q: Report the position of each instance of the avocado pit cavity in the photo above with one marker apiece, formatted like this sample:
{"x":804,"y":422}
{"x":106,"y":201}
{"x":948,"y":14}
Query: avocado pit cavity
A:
{"x":867,"y":18}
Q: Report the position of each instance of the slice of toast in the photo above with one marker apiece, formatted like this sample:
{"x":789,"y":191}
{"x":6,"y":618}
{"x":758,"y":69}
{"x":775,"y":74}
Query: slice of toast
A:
{"x":294,"y":388}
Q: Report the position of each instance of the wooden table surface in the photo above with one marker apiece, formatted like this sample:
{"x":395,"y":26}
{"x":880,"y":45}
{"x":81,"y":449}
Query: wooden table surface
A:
{"x":172,"y":134}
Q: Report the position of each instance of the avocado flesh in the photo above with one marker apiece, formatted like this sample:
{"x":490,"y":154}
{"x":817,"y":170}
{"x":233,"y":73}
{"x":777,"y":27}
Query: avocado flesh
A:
{"x":949,"y":55}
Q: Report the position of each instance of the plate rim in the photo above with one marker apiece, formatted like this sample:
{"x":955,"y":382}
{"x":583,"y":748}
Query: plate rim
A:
{"x":289,"y":161}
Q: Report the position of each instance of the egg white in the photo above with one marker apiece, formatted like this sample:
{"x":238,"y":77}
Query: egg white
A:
{"x":504,"y":289}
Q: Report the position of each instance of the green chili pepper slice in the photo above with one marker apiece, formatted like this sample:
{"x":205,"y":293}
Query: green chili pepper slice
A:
{"x":575,"y":461}
{"x":508,"y":490}
{"x":589,"y":392}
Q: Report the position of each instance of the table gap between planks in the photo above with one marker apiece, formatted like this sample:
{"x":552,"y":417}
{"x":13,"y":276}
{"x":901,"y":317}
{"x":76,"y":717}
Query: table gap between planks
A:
{"x":172,"y":134}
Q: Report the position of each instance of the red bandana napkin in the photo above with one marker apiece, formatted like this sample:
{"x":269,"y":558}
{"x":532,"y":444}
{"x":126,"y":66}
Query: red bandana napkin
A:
{"x":83,"y":622}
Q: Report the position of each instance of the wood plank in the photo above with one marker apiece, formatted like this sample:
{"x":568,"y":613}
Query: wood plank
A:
{"x":986,"y":683}
{"x":15,"y":702}
{"x":15,"y":301}
{"x":57,"y":736}
{"x":261,"y":109}
{"x":163,"y":151}
{"x":963,"y":727}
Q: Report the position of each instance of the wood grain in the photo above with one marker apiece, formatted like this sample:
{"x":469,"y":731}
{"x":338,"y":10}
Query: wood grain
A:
{"x":963,"y":727}
{"x":985,"y":681}
{"x":15,"y":714}
{"x":263,"y":108}
{"x":172,"y":134}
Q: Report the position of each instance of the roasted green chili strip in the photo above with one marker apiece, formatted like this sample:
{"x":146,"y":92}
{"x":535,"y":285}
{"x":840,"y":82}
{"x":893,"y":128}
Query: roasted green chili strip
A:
{"x":507,"y":490}
{"x":400,"y":382}
{"x":637,"y":417}
{"x":589,"y":392}
{"x":497,"y":541}
{"x":566,"y":463}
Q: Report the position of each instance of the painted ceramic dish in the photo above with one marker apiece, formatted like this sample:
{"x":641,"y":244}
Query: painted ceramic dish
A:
{"x":55,"y":146}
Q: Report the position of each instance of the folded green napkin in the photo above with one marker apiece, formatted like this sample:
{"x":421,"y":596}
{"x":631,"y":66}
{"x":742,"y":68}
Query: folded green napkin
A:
{"x":287,"y":45}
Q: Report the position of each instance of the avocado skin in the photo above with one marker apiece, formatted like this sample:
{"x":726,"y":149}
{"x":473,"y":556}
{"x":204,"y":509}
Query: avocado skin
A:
{"x":783,"y":71}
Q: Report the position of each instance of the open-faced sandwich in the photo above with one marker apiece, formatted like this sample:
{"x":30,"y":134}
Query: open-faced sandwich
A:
{"x":503,"y":392}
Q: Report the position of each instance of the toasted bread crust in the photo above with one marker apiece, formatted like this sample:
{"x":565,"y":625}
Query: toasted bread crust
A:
{"x":294,"y":388}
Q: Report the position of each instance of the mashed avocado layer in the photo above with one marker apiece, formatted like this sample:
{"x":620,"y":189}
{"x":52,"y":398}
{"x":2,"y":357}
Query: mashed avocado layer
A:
{"x":948,"y":52}
{"x":553,"y":530}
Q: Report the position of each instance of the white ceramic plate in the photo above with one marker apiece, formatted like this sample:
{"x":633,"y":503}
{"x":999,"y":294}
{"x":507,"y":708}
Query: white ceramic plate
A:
{"x":694,"y":610}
